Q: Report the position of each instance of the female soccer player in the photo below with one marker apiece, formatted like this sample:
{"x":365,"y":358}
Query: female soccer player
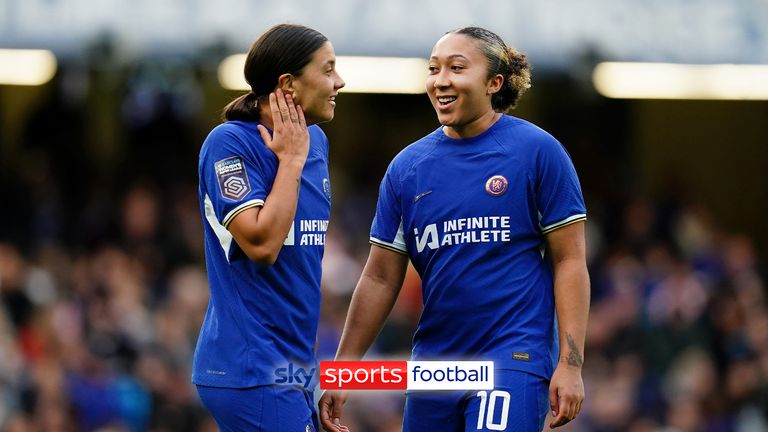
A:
{"x":489,"y":210}
{"x":265,"y":200}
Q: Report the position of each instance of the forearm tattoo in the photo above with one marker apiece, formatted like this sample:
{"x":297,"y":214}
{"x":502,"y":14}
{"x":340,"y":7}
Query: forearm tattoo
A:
{"x":574,"y":357}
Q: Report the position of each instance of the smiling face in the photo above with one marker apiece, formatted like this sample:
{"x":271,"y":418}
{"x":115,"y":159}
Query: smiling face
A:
{"x":316,"y":87}
{"x":459,"y":87}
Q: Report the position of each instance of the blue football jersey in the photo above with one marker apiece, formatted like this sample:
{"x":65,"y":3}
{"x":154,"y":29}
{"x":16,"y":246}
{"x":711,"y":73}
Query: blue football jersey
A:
{"x":472,"y":215}
{"x":259,"y":318}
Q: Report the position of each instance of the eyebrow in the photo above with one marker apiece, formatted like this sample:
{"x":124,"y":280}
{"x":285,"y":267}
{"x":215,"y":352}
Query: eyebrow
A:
{"x":451,"y":57}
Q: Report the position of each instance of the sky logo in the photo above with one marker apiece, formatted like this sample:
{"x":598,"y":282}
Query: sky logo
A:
{"x":294,"y":375}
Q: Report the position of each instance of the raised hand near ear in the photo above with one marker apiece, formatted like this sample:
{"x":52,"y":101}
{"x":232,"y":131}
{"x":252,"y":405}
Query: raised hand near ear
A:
{"x":290,"y":138}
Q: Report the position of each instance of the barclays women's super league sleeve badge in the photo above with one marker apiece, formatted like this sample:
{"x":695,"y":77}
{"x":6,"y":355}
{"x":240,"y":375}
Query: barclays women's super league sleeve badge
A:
{"x":233,"y":179}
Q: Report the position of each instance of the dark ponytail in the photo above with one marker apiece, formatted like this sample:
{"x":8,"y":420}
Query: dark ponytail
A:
{"x":244,"y":108}
{"x":284,"y":48}
{"x":510,"y":63}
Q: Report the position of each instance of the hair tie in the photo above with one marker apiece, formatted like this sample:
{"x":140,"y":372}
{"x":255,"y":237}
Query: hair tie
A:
{"x":253,"y":95}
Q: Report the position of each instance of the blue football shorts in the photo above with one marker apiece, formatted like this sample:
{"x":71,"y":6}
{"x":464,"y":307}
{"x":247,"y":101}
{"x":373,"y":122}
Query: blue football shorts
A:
{"x":519,"y":402}
{"x":267,"y":408}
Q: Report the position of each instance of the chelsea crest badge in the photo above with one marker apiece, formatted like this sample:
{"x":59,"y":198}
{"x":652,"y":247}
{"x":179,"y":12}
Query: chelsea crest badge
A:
{"x":496,"y":185}
{"x":327,"y":188}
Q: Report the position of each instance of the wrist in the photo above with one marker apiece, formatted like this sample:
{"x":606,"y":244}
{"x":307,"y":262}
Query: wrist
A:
{"x":571,"y":362}
{"x":571,"y":351}
{"x":292,"y":161}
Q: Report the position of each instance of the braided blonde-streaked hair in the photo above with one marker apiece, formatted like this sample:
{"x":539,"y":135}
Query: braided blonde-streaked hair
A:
{"x":502,"y":59}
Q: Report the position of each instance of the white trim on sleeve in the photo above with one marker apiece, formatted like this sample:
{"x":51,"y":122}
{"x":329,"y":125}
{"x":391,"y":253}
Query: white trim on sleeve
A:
{"x":562,"y":223}
{"x":397,"y":245}
{"x":235,"y":211}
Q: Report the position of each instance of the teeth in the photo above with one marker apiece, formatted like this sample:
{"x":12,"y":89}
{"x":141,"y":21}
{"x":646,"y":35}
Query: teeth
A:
{"x":446,"y":99}
{"x":333,"y":98}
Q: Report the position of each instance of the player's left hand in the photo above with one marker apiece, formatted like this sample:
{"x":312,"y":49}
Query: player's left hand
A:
{"x":330,"y":405}
{"x":566,"y":394}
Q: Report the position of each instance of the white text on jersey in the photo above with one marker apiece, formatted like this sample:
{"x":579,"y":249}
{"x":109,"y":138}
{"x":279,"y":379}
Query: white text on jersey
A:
{"x":485,"y":229}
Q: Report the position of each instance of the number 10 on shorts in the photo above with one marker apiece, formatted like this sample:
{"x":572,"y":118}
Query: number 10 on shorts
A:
{"x":488,"y":404}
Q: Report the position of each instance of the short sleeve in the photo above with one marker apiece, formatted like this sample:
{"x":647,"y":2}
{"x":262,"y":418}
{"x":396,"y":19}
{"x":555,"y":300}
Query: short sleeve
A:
{"x":558,"y":193}
{"x":235,"y":176}
{"x":387,"y":226}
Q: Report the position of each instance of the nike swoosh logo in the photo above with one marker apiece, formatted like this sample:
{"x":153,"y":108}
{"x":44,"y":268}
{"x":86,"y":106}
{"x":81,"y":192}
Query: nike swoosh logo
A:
{"x":421,"y":195}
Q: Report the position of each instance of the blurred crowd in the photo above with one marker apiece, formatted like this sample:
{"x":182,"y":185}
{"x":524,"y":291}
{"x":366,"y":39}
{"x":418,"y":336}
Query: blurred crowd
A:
{"x":100,"y":337}
{"x":103,"y":292}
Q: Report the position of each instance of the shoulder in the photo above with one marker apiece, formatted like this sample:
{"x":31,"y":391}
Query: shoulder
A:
{"x":524,"y":137}
{"x":525,"y":131}
{"x":316,"y":131}
{"x":231,"y":133}
{"x":413,"y":154}
{"x":317,"y":137}
{"x":232,"y":137}
{"x":232,"y":130}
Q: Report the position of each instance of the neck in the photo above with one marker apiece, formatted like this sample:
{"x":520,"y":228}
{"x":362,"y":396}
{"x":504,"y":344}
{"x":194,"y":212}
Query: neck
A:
{"x":265,"y":113}
{"x":474,"y":127}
